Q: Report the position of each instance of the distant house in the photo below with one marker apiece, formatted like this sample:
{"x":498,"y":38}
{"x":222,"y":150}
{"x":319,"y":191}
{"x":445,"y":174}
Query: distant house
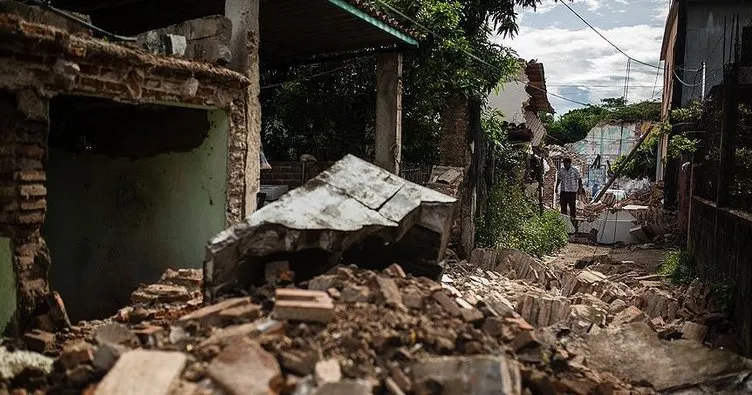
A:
{"x":522,"y":100}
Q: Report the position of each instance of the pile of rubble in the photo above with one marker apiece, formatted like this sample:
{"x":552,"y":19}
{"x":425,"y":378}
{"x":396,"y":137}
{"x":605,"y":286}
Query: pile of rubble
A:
{"x":652,"y":221}
{"x":504,"y":323}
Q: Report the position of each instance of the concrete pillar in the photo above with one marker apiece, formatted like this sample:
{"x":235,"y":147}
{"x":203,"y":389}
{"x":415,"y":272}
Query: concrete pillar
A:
{"x":389,"y":111}
{"x":244,"y":44}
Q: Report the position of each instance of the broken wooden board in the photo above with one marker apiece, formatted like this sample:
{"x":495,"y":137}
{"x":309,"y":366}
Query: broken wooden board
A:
{"x":344,"y":205}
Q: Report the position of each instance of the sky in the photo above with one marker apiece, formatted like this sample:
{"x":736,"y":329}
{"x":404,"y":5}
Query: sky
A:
{"x":579,"y":64}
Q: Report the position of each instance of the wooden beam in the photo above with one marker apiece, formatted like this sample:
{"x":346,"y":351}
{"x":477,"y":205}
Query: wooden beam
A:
{"x":389,"y":111}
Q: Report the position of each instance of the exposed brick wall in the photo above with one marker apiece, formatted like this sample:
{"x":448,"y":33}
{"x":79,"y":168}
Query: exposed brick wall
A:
{"x":24,"y":123}
{"x":292,"y":174}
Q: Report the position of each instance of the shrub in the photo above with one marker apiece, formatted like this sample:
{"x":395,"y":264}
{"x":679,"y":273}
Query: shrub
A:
{"x":678,"y":267}
{"x":513,"y":221}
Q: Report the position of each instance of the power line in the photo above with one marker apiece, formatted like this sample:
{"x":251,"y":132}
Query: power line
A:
{"x":473,"y":56}
{"x":607,"y":40}
{"x":46,"y":5}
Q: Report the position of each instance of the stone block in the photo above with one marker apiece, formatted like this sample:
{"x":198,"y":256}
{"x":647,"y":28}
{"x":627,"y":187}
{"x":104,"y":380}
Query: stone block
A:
{"x":482,"y":375}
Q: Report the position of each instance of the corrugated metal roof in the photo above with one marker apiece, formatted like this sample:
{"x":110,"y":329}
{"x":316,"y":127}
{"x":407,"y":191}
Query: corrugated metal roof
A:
{"x":293,"y":30}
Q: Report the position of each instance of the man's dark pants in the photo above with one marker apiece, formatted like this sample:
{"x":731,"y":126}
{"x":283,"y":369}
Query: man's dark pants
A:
{"x":568,"y":200}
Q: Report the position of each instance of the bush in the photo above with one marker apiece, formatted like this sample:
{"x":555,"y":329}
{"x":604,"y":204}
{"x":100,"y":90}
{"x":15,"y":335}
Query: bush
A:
{"x":513,"y":221}
{"x":678,"y":267}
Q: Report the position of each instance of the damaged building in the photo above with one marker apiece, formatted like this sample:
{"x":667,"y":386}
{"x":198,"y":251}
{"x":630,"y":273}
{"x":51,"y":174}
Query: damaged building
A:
{"x":122,"y":156}
{"x":117,"y":162}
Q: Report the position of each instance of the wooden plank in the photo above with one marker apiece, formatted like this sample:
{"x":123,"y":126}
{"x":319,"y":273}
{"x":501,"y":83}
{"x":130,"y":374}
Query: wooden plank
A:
{"x":142,"y":372}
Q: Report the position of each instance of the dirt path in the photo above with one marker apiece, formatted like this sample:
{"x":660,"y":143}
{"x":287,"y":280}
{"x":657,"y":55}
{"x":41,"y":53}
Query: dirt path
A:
{"x":646,"y":260}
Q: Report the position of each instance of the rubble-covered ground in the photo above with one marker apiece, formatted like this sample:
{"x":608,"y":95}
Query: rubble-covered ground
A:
{"x":582,"y":322}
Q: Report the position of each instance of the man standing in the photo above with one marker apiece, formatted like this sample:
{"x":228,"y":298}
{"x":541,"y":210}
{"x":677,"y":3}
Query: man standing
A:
{"x":571,"y":184}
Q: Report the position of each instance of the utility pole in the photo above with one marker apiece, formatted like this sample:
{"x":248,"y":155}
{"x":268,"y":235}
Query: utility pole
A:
{"x":704,"y":74}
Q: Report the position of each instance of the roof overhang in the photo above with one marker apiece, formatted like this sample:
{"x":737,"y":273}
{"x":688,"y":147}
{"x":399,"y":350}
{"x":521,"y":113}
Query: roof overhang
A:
{"x":299,"y":30}
{"x":290,"y":30}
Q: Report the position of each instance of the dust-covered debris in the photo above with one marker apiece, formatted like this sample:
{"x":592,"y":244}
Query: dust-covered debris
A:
{"x":354,"y":211}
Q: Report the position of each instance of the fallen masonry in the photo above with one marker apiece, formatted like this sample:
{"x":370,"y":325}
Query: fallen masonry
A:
{"x":378,"y":344}
{"x":342,"y":322}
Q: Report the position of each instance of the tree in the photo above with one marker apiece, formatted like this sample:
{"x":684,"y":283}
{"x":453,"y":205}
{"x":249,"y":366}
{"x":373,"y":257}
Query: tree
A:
{"x":333,"y":114}
{"x":576,"y":124}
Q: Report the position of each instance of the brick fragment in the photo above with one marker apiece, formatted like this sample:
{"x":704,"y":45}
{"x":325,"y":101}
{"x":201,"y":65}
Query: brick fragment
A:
{"x":76,"y":354}
{"x":446,"y":302}
{"x":39,"y":341}
{"x":212,"y":315}
{"x":389,"y":290}
{"x":327,"y":372}
{"x":246,"y":368}
{"x":303,"y":305}
{"x":395,"y":270}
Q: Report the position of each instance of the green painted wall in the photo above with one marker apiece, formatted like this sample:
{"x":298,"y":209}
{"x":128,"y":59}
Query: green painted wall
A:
{"x":7,"y":284}
{"x":114,"y":223}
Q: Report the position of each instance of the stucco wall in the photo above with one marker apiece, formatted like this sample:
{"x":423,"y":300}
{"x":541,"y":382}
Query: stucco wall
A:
{"x":510,"y":99}
{"x":7,"y":284}
{"x":114,"y":223}
{"x":609,"y":140}
{"x":704,"y":41}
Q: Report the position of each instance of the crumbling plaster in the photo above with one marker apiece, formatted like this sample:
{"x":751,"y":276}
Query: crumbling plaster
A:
{"x":114,"y":223}
{"x":38,"y":62}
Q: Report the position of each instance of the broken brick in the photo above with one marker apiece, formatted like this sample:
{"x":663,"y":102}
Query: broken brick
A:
{"x":692,"y":331}
{"x":39,"y":341}
{"x":447,"y":303}
{"x":246,"y":368}
{"x":629,"y":315}
{"x":389,"y":290}
{"x":303,"y":305}
{"x":401,"y":379}
{"x":323,"y":282}
{"x":355,"y":294}
{"x":76,"y":354}
{"x":392,"y":387}
{"x":243,"y":313}
{"x":160,"y":293}
{"x":471,"y":315}
{"x":106,"y":355}
{"x":327,"y":372}
{"x":116,"y":334}
{"x":302,"y":363}
{"x":525,"y":339}
{"x":151,"y":336}
{"x":395,"y":270}
{"x":211,"y":315}
{"x":412,"y":298}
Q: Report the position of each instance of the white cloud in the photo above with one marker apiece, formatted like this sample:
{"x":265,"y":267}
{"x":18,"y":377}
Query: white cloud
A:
{"x":548,"y":5}
{"x":582,"y":66}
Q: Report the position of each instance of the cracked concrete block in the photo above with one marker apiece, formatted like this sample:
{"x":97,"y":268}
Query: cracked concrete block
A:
{"x":355,"y":207}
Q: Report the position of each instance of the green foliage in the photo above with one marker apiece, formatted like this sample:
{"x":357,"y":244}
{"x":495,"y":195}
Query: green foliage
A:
{"x":680,"y":145}
{"x":678,"y":267}
{"x":513,"y":221}
{"x":576,"y":124}
{"x":722,"y":295}
{"x":334,"y":113}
